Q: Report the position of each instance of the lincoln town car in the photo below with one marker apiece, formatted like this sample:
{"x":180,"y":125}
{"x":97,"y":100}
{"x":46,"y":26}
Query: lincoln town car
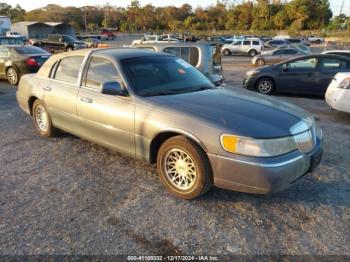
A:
{"x":158,"y":108}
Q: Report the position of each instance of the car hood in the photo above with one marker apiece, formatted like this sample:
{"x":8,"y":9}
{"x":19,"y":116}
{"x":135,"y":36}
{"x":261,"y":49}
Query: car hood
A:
{"x":239,"y":111}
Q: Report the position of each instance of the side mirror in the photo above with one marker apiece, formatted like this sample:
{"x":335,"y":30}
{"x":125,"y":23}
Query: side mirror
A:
{"x":285,"y":67}
{"x":113,"y":88}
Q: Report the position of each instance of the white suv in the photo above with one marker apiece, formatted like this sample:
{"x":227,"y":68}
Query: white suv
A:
{"x":251,"y":47}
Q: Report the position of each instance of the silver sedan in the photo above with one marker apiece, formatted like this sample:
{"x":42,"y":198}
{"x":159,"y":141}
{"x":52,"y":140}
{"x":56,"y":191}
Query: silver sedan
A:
{"x":158,"y":108}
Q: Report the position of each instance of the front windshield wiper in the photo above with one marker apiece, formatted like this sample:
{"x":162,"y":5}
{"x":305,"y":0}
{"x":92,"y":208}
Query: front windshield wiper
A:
{"x":177,"y":91}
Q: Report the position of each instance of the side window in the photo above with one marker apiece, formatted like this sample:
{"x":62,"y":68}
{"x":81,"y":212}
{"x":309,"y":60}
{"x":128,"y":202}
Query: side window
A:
{"x":291,"y":52}
{"x":185,"y":53}
{"x":237,"y":43}
{"x":246,"y":42}
{"x":4,"y":52}
{"x":172,"y":50}
{"x":152,"y":38}
{"x":68,"y":69}
{"x":256,"y":43}
{"x":278,"y":52}
{"x":101,"y":70}
{"x":310,"y":63}
{"x":332,"y":63}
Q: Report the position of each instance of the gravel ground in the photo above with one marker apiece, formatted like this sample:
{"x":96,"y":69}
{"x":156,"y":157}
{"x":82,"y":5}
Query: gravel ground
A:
{"x":68,"y":196}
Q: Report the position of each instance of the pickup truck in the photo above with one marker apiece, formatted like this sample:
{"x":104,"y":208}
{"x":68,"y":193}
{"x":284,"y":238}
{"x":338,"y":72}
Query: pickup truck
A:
{"x":59,"y":43}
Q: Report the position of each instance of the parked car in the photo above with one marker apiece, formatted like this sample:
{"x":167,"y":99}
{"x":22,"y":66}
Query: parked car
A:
{"x":276,"y":56}
{"x":309,"y":74}
{"x":315,"y":39}
{"x":276,"y":42}
{"x":15,"y":61}
{"x":206,"y":57}
{"x":338,"y":92}
{"x":265,"y":38}
{"x":345,"y":53}
{"x":219,"y":39}
{"x":251,"y":47}
{"x":5,"y":40}
{"x":298,"y":41}
{"x":57,"y":43}
{"x":302,"y":48}
{"x":92,"y":42}
{"x":152,"y":39}
{"x":157,"y":107}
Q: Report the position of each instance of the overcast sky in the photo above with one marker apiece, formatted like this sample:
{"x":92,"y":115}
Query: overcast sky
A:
{"x":32,"y":4}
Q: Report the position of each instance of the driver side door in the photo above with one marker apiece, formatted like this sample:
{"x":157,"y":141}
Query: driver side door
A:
{"x":298,"y":76}
{"x":105,"y":119}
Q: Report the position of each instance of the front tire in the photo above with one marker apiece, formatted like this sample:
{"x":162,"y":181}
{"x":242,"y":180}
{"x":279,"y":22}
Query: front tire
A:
{"x":260,"y":62}
{"x":184,"y":168}
{"x":226,"y":52}
{"x":265,"y":86}
{"x":42,"y":120}
{"x":12,"y":76}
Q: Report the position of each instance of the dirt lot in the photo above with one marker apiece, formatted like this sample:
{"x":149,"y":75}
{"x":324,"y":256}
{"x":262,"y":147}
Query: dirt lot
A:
{"x":68,"y":196}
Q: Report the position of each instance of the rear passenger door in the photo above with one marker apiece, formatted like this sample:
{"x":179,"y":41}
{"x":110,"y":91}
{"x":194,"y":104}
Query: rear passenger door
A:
{"x":105,"y":119}
{"x":60,"y":93}
{"x":246,"y":46}
{"x":328,"y":68}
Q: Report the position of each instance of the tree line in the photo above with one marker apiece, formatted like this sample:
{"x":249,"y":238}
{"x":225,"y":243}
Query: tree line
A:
{"x":224,"y":15}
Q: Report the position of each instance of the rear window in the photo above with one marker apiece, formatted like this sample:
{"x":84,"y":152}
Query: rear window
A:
{"x":68,"y":69}
{"x":246,"y":42}
{"x":30,"y":50}
{"x":189,"y":54}
{"x":216,"y":55}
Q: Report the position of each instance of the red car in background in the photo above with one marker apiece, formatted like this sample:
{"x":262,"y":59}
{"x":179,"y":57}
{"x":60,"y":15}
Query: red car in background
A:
{"x":109,"y":32}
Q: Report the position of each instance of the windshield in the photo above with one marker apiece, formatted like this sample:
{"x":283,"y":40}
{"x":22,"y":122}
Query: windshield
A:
{"x":30,"y":50}
{"x":151,"y":76}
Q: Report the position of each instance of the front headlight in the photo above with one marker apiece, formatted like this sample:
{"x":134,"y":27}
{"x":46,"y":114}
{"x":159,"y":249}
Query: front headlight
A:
{"x":251,"y":73}
{"x":258,"y":147}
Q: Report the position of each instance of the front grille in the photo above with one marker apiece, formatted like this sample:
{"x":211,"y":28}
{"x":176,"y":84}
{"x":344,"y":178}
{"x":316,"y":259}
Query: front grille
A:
{"x":305,"y":141}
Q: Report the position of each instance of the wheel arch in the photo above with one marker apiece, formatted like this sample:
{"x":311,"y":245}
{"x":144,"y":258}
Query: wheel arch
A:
{"x":164,"y":135}
{"x":31,"y":101}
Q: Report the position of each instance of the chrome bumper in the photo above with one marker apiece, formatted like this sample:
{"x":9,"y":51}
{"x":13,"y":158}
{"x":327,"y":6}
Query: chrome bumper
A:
{"x":263,"y":175}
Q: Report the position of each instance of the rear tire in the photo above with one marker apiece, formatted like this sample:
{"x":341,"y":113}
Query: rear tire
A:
{"x":12,"y":76}
{"x":42,"y":120}
{"x":265,"y":86}
{"x":253,"y":52}
{"x":184,"y":168}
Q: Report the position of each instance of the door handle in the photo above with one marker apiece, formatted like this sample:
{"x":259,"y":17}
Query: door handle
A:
{"x":86,"y":100}
{"x":47,"y":88}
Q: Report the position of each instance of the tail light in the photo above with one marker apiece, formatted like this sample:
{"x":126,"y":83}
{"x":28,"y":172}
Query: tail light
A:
{"x":32,"y":62}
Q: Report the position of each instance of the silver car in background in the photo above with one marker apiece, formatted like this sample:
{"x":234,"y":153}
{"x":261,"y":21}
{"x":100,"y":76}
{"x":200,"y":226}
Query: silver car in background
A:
{"x":157,"y":107}
{"x":276,"y":56}
{"x":206,"y":57}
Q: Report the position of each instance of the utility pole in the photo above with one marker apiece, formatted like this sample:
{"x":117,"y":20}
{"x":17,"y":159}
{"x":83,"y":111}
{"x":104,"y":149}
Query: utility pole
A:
{"x":341,"y":9}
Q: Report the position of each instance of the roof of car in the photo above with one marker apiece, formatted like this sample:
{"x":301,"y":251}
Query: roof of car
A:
{"x":315,"y":56}
{"x":113,"y":53}
{"x":336,"y":51}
